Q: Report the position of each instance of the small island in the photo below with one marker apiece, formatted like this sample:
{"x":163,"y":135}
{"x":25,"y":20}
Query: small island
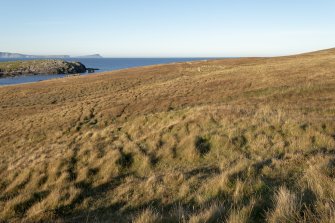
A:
{"x":93,"y":56}
{"x":34,"y":67}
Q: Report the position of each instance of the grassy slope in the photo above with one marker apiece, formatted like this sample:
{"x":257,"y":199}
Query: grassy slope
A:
{"x":236,"y":140}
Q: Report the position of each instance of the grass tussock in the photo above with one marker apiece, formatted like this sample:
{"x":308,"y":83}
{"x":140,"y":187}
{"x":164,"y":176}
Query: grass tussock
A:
{"x":236,"y":140}
{"x":147,"y":216}
{"x":286,"y":207}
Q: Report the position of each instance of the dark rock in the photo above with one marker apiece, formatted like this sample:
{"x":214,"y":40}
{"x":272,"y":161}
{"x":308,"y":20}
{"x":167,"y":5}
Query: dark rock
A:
{"x":91,"y":70}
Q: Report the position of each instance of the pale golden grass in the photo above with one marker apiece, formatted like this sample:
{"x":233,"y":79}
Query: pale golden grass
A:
{"x":286,"y":206}
{"x":147,"y":216}
{"x":241,"y":214}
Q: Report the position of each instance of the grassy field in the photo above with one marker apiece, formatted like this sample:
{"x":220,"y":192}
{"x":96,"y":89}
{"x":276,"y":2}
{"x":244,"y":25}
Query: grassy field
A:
{"x":234,"y":140}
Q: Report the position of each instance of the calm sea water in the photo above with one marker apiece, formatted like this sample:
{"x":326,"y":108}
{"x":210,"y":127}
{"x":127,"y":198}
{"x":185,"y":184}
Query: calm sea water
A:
{"x":103,"y":64}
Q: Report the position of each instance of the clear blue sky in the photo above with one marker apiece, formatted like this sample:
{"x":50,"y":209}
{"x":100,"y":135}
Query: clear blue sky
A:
{"x":166,"y":28}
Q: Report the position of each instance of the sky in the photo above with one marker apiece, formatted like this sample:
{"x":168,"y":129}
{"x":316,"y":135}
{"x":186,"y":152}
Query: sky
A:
{"x":167,"y":28}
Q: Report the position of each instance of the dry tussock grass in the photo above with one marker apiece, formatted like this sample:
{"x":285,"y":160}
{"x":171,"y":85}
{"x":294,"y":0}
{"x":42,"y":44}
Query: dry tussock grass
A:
{"x":236,"y":140}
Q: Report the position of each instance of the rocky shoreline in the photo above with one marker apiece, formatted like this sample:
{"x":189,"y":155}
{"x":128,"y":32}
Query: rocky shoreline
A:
{"x":34,"y":67}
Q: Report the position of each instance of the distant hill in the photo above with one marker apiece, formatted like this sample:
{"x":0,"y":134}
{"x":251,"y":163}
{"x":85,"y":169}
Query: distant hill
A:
{"x":91,"y":56}
{"x":7,"y":55}
{"x":18,"y":55}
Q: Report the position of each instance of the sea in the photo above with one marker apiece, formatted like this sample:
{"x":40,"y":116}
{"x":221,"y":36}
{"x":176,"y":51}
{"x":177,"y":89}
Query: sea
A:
{"x":103,"y":64}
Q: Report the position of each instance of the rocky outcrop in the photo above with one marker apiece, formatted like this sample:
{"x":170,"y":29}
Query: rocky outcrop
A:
{"x":33,"y":67}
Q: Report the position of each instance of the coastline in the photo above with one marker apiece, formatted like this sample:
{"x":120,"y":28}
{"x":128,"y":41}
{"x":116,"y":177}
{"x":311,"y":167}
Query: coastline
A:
{"x":45,"y":77}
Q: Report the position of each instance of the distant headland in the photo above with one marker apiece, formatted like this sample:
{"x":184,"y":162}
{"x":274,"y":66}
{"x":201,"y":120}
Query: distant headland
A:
{"x":91,"y":56}
{"x":7,"y":55}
